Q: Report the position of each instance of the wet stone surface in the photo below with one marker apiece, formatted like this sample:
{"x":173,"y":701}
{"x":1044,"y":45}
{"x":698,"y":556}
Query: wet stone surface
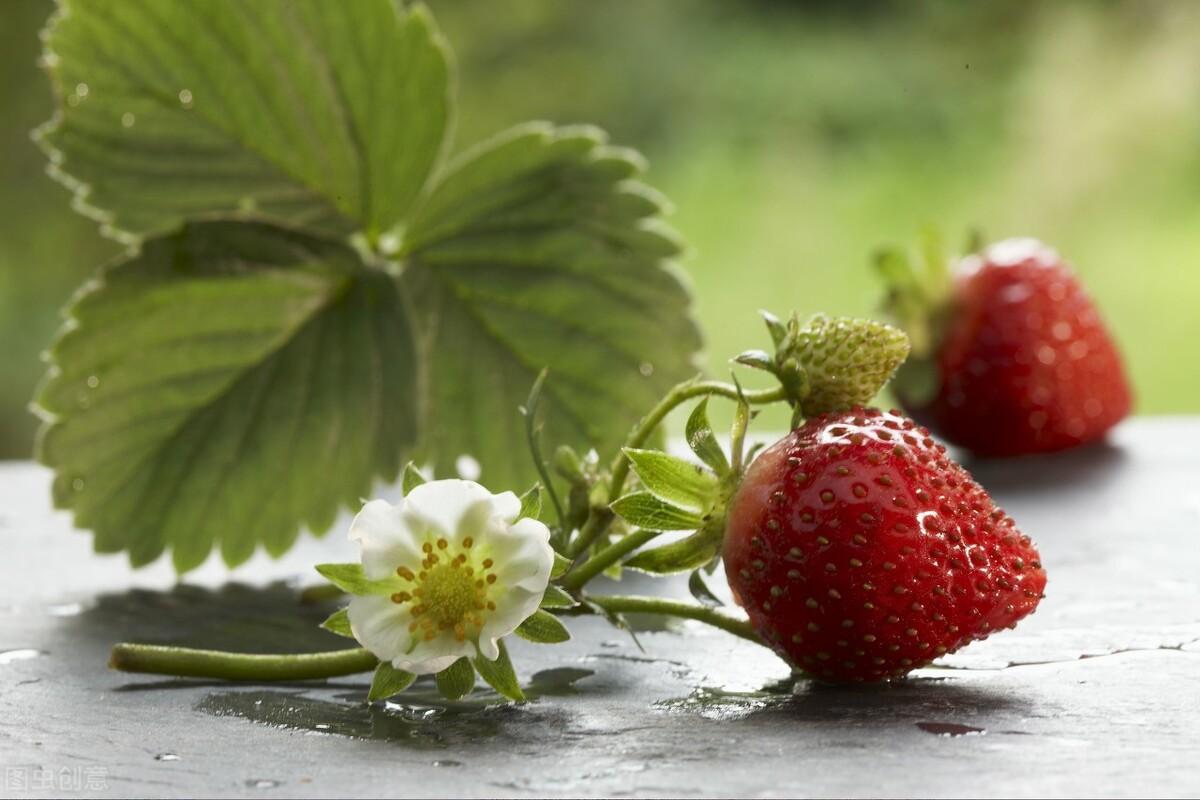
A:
{"x":1096,"y":694}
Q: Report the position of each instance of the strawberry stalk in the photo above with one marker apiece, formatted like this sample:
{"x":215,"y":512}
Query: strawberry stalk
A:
{"x":601,"y":515}
{"x":617,"y":604}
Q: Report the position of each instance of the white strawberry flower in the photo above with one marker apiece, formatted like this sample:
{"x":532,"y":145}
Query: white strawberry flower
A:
{"x":458,"y":571}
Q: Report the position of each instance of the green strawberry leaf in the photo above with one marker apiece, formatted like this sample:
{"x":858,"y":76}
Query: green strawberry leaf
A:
{"x":456,"y":680}
{"x":539,"y":248}
{"x":500,"y":674}
{"x":339,"y":623}
{"x":647,"y":511}
{"x":331,"y":116}
{"x":389,"y":681}
{"x":236,"y":380}
{"x":224,"y":387}
{"x":544,"y":628}
{"x":678,"y":482}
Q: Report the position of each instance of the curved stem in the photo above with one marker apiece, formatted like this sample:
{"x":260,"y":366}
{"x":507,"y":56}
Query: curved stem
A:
{"x":596,"y":524}
{"x":619,"y":604}
{"x":601,"y":561}
{"x":184,"y":661}
{"x":681,"y":394}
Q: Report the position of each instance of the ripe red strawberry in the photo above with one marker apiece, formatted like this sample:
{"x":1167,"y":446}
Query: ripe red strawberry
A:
{"x":1018,"y":360}
{"x":860,"y":551}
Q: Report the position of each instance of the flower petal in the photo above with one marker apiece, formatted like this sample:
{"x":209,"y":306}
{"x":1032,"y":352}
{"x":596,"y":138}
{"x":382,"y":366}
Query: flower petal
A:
{"x":427,"y":667}
{"x":380,"y":625}
{"x":512,"y":608}
{"x":507,"y":506}
{"x":443,"y":503}
{"x":523,"y":555}
{"x":389,"y":536}
{"x":434,"y":655}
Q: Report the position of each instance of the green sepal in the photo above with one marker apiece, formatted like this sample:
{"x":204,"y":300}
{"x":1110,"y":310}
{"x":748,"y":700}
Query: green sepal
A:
{"x":544,"y":628}
{"x":703,"y":442}
{"x":531,"y":503}
{"x":689,"y":553}
{"x":700,"y":590}
{"x":556,"y":597}
{"x":918,"y":293}
{"x":568,"y":464}
{"x":412,"y":478}
{"x":673,"y":480}
{"x":350,"y":579}
{"x":645,"y":510}
{"x":389,"y":681}
{"x":560,"y":567}
{"x":776,"y":328}
{"x":757,"y":359}
{"x":456,"y":680}
{"x":500,"y":675}
{"x":339,"y":622}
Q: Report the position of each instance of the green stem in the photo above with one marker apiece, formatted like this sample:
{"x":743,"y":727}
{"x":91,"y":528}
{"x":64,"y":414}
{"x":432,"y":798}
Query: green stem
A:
{"x":186,"y":662}
{"x":681,"y":394}
{"x":601,"y":561}
{"x":674,"y":608}
{"x":596,"y":524}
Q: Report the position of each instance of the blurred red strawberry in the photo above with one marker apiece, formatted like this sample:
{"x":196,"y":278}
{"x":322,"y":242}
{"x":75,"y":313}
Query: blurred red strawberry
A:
{"x":1010,"y":356}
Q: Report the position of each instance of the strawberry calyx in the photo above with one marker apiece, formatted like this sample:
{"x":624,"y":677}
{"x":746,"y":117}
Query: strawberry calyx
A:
{"x":823,"y":365}
{"x":920,"y":289}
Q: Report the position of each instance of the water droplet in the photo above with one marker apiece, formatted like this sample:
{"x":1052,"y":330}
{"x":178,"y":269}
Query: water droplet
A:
{"x":467,"y":468}
{"x":9,"y":656}
{"x":166,"y":757}
{"x":93,"y":382}
{"x":261,"y":783}
{"x":127,"y":119}
{"x":82,"y":90}
{"x":321,"y":726}
{"x":77,"y":485}
{"x":72,"y":100}
{"x":49,"y":60}
{"x":646,"y":368}
{"x":446,"y":762}
{"x":185,"y":98}
{"x":950,"y":729}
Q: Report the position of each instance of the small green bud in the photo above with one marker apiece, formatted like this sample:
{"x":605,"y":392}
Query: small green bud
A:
{"x":568,"y":465}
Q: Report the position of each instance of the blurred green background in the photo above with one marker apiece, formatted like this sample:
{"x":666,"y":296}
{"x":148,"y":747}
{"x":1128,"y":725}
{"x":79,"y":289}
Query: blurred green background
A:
{"x":793,"y":138}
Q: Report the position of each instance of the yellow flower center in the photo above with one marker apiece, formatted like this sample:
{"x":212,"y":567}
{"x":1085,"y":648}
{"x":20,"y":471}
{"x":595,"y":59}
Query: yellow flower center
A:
{"x":450,"y":592}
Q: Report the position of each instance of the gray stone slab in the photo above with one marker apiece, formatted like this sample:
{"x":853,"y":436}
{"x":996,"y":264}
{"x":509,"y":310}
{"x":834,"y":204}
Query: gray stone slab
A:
{"x":1096,"y":694}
